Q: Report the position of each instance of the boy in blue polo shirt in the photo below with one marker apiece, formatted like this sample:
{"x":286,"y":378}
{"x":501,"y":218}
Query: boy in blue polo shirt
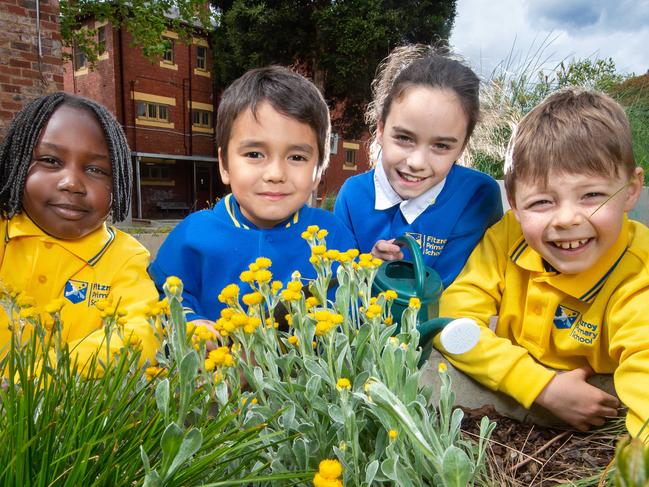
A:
{"x":273,"y":144}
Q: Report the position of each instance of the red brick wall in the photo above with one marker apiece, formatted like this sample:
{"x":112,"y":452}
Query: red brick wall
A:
{"x":142,"y":75}
{"x":23,"y":75}
{"x":338,"y":172}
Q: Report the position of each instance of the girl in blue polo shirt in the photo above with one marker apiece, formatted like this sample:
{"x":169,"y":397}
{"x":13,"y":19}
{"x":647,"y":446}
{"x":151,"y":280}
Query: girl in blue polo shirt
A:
{"x":424,"y":110}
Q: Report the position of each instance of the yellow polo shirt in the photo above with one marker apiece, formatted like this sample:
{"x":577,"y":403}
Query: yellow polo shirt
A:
{"x":599,"y":317}
{"x":83,"y":272}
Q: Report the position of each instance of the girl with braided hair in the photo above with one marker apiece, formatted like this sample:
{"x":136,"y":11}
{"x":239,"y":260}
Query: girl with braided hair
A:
{"x":64,"y":168}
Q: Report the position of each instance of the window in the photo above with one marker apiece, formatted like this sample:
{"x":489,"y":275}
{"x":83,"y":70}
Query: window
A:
{"x":156,"y":172}
{"x":350,"y":157}
{"x":101,"y":39}
{"x":152,"y":111}
{"x":79,"y":58}
{"x":201,"y":57}
{"x":168,"y":55}
{"x":202,"y":118}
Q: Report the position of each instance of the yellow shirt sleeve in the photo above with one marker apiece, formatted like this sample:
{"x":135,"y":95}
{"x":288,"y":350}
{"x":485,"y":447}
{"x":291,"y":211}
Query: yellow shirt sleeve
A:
{"x":495,"y":362}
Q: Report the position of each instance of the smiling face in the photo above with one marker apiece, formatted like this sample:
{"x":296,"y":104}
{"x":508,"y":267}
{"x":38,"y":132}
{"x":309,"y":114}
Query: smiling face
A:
{"x":574,"y":220}
{"x":421,"y":138}
{"x":69,"y":181}
{"x":272,"y":165}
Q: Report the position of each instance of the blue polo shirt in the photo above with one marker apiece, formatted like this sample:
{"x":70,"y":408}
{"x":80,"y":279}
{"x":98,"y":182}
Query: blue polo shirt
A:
{"x":210,"y":249}
{"x":447,"y":230}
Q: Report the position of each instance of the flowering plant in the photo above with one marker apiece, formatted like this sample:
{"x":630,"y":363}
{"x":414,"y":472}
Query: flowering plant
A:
{"x":345,"y":385}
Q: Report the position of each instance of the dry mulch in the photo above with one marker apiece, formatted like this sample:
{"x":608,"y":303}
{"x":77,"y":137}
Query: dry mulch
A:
{"x":522,"y":454}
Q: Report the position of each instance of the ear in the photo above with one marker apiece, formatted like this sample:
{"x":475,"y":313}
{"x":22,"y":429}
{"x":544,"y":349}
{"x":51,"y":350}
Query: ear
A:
{"x":379,"y":133}
{"x":225,"y":176}
{"x":634,"y":190}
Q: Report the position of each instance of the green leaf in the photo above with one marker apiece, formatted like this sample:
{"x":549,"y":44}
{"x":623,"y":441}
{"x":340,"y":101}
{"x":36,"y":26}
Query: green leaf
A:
{"x":457,"y":468}
{"x":312,"y":387}
{"x":152,"y":480}
{"x":315,"y":368}
{"x":145,"y":460}
{"x":188,"y":368}
{"x":162,"y":398}
{"x":288,"y":416}
{"x":301,"y":453}
{"x":170,"y":443}
{"x":191,"y":444}
{"x":370,"y":471}
{"x":336,"y":414}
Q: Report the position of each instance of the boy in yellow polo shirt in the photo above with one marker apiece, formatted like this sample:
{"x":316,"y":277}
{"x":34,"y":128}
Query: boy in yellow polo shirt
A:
{"x":565,"y":272}
{"x":64,"y":166}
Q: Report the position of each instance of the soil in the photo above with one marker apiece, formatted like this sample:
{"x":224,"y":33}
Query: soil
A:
{"x":522,"y":454}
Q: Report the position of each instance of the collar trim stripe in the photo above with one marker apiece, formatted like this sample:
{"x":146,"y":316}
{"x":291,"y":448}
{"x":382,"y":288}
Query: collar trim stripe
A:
{"x":592,"y":292}
{"x":520,"y":248}
{"x":111,"y":237}
{"x":296,"y":217}
{"x":230,"y":211}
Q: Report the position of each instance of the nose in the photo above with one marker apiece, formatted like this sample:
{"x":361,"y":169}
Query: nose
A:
{"x":418,"y":159}
{"x":568,"y":214}
{"x":71,"y":180}
{"x":275,"y":171}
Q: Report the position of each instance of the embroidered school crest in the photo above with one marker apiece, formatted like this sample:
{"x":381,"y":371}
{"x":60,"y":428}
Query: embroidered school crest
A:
{"x":564,"y":318}
{"x":75,"y":291}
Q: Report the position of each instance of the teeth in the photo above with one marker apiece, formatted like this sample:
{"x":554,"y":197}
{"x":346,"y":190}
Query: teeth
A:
{"x":408,"y":177}
{"x":573,"y":244}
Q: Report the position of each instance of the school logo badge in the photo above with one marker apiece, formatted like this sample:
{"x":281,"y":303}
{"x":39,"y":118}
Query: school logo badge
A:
{"x":75,"y":291}
{"x":564,"y":318}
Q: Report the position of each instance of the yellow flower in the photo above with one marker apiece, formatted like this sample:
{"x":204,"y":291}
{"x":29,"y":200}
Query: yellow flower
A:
{"x":307,"y":235}
{"x":318,"y":250}
{"x":373,"y":311}
{"x":393,"y":434}
{"x":442,"y":367}
{"x":263,"y":276}
{"x":152,"y":372}
{"x":55,"y":306}
{"x":343,"y":257}
{"x":312,"y":302}
{"x":293,"y":340}
{"x":252,"y":324}
{"x":173,"y":281}
{"x":28,"y":313}
{"x":365,"y":258}
{"x":295,"y":286}
{"x":313,"y":228}
{"x":388,"y":320}
{"x":343,"y":383}
{"x":24,"y":301}
{"x":322,"y":327}
{"x":253,"y":267}
{"x":322,"y":234}
{"x":376,"y":262}
{"x":247,"y":276}
{"x":288,"y":295}
{"x":390,"y":295}
{"x":209,"y":365}
{"x":229,"y":294}
{"x":289,"y":319}
{"x":276,"y":286}
{"x":414,"y":303}
{"x":263,"y":262}
{"x":133,"y":341}
{"x":328,"y":470}
{"x":252,"y":299}
{"x":353,"y":253}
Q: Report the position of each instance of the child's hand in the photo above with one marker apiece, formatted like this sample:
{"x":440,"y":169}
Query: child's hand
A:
{"x":387,"y":250}
{"x":569,"y":397}
{"x":209,"y":345}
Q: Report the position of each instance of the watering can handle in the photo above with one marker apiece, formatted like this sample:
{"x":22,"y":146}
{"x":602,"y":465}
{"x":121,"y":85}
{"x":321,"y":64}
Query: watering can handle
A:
{"x":417,"y":261}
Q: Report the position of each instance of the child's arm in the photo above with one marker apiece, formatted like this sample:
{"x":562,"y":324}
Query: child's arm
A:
{"x":477,"y":293}
{"x":569,"y":397}
{"x":387,"y":250}
{"x":133,"y":291}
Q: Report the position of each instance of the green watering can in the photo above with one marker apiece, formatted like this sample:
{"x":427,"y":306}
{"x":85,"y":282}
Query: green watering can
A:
{"x":416,"y":280}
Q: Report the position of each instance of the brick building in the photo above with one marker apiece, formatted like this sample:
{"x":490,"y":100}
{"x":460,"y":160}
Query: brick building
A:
{"x":167,"y":110}
{"x":30,"y":54}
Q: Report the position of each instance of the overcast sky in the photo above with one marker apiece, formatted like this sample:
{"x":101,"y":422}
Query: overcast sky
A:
{"x":485,"y":32}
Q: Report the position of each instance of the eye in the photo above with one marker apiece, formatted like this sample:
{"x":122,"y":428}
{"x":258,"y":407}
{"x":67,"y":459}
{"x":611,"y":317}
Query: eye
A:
{"x":253,"y":155}
{"x":99,"y":171}
{"x":441,"y":146}
{"x":594,"y":194}
{"x":538,"y":204}
{"x":297,"y":158}
{"x":47,"y":161}
{"x":402,"y":138}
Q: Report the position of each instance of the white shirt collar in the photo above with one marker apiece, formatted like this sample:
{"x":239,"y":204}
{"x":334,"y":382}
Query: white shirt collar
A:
{"x":387,"y":197}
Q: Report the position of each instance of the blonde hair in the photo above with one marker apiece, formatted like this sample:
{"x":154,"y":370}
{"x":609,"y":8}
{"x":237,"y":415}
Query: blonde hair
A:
{"x":572,"y":131}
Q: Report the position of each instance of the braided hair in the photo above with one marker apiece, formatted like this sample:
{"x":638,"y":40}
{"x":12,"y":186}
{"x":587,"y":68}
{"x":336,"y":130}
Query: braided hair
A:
{"x":16,"y":151}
